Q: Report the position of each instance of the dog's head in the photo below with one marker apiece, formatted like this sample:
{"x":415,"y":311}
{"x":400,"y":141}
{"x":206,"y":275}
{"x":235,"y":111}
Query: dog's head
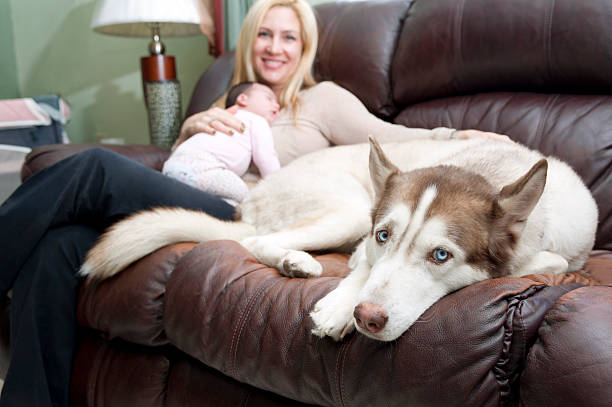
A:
{"x":436,"y":230}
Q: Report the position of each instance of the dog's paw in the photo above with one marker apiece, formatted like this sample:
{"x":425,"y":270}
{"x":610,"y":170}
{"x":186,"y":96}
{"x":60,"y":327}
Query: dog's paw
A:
{"x":333,"y":316}
{"x":299,"y":264}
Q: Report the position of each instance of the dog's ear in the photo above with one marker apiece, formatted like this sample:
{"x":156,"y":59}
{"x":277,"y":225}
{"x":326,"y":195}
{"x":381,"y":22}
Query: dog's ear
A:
{"x":519,"y":198}
{"x":380,"y":167}
{"x":513,"y":206}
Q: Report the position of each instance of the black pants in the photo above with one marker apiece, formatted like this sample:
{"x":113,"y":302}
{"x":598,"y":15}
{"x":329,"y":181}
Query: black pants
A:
{"x":46,"y":227}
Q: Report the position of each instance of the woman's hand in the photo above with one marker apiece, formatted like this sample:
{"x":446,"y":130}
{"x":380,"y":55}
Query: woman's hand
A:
{"x":210,"y":121}
{"x":468,"y":134}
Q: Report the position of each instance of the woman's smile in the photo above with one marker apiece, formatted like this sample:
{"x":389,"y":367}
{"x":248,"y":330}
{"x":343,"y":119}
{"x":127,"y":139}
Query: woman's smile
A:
{"x":277,"y":50}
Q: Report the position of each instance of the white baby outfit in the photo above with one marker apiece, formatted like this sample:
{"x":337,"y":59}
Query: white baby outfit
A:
{"x":215,"y":163}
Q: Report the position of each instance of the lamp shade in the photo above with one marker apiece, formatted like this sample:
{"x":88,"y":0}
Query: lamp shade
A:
{"x":133,"y":18}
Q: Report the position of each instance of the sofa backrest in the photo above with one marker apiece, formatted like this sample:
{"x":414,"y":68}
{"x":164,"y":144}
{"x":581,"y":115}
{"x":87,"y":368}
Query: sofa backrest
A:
{"x":357,"y":42}
{"x":357,"y":45}
{"x":539,"y":71}
{"x":449,"y":48}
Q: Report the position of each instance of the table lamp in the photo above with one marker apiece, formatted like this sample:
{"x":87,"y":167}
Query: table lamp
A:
{"x":154,"y":19}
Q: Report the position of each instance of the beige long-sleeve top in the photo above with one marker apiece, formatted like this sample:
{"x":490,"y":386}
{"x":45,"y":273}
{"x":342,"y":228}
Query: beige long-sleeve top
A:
{"x":330,"y":115}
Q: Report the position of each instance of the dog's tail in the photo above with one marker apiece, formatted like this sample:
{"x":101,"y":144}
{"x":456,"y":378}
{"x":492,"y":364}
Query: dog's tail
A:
{"x":144,"y":232}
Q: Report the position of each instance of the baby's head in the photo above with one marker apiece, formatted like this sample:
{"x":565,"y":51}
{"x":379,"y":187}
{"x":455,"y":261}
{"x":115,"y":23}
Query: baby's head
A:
{"x":255,"y":98}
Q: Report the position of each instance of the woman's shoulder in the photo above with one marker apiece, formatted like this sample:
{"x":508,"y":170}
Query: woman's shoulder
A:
{"x":323,"y":87}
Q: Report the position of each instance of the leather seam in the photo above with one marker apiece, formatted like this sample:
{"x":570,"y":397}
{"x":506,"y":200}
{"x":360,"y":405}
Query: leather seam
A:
{"x":547,"y":40}
{"x":501,"y":376}
{"x":340,"y":361}
{"x":233,"y":351}
{"x":545,"y":114}
{"x":457,"y":28}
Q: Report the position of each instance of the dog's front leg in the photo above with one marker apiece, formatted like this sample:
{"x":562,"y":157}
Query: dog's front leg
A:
{"x":291,"y":263}
{"x":544,"y":262}
{"x":333,"y":314}
{"x":286,"y":249}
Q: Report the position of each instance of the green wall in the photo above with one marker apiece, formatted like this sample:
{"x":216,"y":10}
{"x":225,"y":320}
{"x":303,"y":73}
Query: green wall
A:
{"x":55,"y":51}
{"x":48,"y":47}
{"x":8,"y":69}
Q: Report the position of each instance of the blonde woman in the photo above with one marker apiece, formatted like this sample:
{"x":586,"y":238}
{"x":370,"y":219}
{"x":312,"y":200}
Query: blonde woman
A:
{"x":50,"y":221}
{"x":277,"y":47}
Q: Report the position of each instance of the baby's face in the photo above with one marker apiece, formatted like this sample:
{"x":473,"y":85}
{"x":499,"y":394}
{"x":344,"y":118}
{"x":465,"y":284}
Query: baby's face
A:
{"x":262,"y":101}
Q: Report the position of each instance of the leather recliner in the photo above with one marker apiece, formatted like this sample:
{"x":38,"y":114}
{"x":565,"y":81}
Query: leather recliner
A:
{"x":207,"y":325}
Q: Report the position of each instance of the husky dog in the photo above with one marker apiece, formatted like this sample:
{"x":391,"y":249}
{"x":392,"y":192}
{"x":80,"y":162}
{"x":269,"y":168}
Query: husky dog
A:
{"x":447,"y":214}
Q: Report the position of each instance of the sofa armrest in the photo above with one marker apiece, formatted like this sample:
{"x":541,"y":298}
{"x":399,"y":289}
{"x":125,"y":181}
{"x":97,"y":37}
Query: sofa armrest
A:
{"x":218,"y":305}
{"x":571,"y":362}
{"x":44,"y":156}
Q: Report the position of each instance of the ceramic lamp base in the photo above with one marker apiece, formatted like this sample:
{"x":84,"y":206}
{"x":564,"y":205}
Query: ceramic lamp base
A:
{"x":162,"y":93}
{"x":163,"y":99}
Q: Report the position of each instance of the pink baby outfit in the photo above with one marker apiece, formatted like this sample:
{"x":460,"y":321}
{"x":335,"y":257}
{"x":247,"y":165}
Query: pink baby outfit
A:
{"x":215,"y":163}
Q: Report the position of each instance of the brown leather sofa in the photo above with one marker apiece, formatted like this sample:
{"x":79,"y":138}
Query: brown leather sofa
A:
{"x":207,"y":325}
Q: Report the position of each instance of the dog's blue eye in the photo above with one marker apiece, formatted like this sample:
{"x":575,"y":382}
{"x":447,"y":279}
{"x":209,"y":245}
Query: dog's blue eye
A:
{"x":382,"y":236}
{"x":440,"y":255}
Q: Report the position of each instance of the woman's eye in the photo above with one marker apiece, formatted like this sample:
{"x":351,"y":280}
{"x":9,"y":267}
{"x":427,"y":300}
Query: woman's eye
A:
{"x":440,"y":255}
{"x":263,"y":34}
{"x":382,"y":236}
{"x":290,"y":38}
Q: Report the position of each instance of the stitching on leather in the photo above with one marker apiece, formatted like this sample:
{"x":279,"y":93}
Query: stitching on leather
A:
{"x":547,"y":40}
{"x":337,"y":375}
{"x":464,"y":105}
{"x":545,"y":114}
{"x":390,"y":108}
{"x":238,"y":331}
{"x":340,"y":369}
{"x":499,"y":371}
{"x":523,"y":331}
{"x":233,"y":351}
{"x":341,"y":378}
{"x":458,"y":24}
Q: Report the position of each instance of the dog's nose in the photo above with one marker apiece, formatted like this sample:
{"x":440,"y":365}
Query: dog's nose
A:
{"x":370,"y":317}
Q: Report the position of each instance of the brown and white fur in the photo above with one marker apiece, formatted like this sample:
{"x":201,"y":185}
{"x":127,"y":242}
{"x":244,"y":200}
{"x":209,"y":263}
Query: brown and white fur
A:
{"x":451,"y":213}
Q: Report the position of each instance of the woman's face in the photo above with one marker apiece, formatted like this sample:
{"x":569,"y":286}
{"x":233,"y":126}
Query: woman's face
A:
{"x":277,"y":49}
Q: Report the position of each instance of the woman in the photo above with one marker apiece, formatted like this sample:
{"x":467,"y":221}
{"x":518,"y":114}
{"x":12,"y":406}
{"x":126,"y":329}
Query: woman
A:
{"x":50,"y":222}
{"x":277,"y":47}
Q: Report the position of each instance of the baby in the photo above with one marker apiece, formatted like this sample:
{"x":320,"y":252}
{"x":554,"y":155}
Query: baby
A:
{"x":215,"y":163}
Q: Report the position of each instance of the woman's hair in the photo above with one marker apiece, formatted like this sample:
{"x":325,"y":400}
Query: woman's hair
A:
{"x":244,"y":49}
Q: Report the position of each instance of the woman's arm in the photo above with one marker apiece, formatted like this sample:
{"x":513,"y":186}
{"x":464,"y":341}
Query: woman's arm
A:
{"x":345,"y":120}
{"x":210,"y":121}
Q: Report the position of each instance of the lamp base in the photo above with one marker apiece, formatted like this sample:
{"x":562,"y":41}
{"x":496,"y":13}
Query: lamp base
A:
{"x":163,"y":99}
{"x":162,"y":92}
